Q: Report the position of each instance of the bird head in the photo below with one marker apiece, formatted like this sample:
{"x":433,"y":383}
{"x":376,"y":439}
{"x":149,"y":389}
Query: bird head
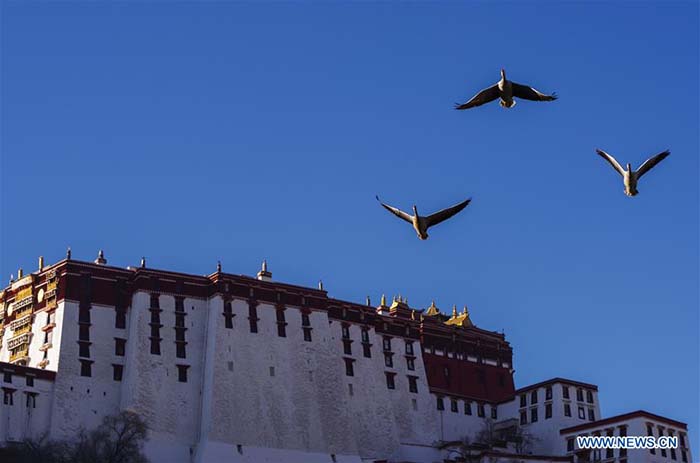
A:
{"x":503,"y":74}
{"x":415,"y":210}
{"x":629,"y":167}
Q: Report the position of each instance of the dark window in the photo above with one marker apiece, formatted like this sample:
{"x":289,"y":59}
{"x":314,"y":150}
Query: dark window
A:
{"x":684,"y":456}
{"x":681,"y":439}
{"x":609,"y":452}
{"x":30,"y":381}
{"x":523,"y":417}
{"x":305,"y":321}
{"x":533,"y":397}
{"x":570,"y":445}
{"x":548,"y":393}
{"x":366,"y":350}
{"x":365,"y":335}
{"x":180,"y":320}
{"x":7,"y":397}
{"x":440,"y":403}
{"x":494,"y":412}
{"x":346,"y":332}
{"x":117,"y":372}
{"x":410,"y":364}
{"x":180,"y":350}
{"x":228,"y":315}
{"x":388,"y":360}
{"x":386,"y":343}
{"x":119,"y":347}
{"x":253,"y":317}
{"x":84,"y":315}
{"x":567,"y":410}
{"x":307,"y":334}
{"x":155,"y":346}
{"x":155,"y":317}
{"x":533,"y":415}
{"x":155,"y":302}
{"x":581,"y":413}
{"x":591,"y":414}
{"x":409,"y":348}
{"x":179,"y":304}
{"x":347,"y":347}
{"x":180,"y":334}
{"x":565,"y":390}
{"x":182,"y":373}
{"x":83,"y":349}
{"x":413,"y":384}
{"x":467,"y":407}
{"x":120,"y":319}
{"x":480,"y":411}
{"x":281,"y":330}
{"x":7,"y":377}
{"x":547,"y":411}
{"x":579,"y":395}
{"x":31,"y":400}
{"x":85,"y":368}
{"x":349,"y":371}
{"x":155,"y":331}
{"x":523,"y":400}
{"x":454,"y":406}
{"x":589,"y":397}
{"x":390,"y":383}
{"x":84,"y":333}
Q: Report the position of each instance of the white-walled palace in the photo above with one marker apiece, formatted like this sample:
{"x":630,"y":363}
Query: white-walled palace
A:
{"x":229,"y":368}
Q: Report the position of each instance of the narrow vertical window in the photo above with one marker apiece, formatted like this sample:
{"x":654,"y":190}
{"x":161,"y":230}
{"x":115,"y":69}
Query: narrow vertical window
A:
{"x":533,"y":415}
{"x":565,"y":391}
{"x":390,"y":383}
{"x":117,"y":372}
{"x":547,"y":411}
{"x":349,"y":371}
{"x":440,"y":403}
{"x":548,"y":393}
{"x":85,"y":368}
{"x":413,"y":384}
{"x":182,"y":373}
{"x":467,"y":407}
{"x":228,"y":315}
{"x":119,"y":347}
{"x":253,"y":316}
{"x":281,"y":323}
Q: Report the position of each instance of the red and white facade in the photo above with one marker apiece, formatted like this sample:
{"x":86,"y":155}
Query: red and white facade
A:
{"x":232,"y":368}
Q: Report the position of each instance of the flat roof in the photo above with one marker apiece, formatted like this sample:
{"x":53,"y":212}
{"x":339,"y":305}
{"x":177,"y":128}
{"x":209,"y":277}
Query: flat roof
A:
{"x":624,"y":417}
{"x":570,"y":382}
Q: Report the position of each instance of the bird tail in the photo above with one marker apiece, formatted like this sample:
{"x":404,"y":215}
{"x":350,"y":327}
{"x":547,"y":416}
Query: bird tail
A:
{"x":506,"y":104}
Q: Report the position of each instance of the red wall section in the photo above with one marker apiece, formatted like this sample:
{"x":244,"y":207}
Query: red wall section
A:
{"x":468,"y":379}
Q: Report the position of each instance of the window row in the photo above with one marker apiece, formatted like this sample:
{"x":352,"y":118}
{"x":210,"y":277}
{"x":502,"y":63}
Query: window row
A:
{"x":8,"y":398}
{"x":548,"y":413}
{"x":548,"y":395}
{"x":467,"y":407}
{"x":669,"y":432}
{"x":476,"y":358}
{"x":7,"y":378}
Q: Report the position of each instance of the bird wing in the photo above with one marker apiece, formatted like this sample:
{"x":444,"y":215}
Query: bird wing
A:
{"x":616,"y":165}
{"x":651,"y":162}
{"x":441,"y":216}
{"x":483,"y":97}
{"x":529,"y":93}
{"x":397,"y":212}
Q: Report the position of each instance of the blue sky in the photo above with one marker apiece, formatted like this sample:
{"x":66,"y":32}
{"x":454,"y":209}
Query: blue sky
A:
{"x":191,"y":132}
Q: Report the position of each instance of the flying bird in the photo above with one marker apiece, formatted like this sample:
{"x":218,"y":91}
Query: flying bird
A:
{"x":629,"y":176}
{"x":422,"y":223}
{"x":506,"y":90}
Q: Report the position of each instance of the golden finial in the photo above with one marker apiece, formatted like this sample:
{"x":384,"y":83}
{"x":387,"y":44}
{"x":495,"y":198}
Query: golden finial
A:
{"x":383,"y":301}
{"x":465,"y":311}
{"x":413,"y":314}
{"x":432,"y":310}
{"x":454,"y":311}
{"x":20,"y":272}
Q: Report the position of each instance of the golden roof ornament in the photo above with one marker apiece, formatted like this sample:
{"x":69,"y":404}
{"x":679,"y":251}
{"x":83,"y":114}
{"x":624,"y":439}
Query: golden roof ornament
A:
{"x":413,"y":314}
{"x":41,"y":263}
{"x":382,"y":303}
{"x":432,"y":310}
{"x":20,"y":273}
